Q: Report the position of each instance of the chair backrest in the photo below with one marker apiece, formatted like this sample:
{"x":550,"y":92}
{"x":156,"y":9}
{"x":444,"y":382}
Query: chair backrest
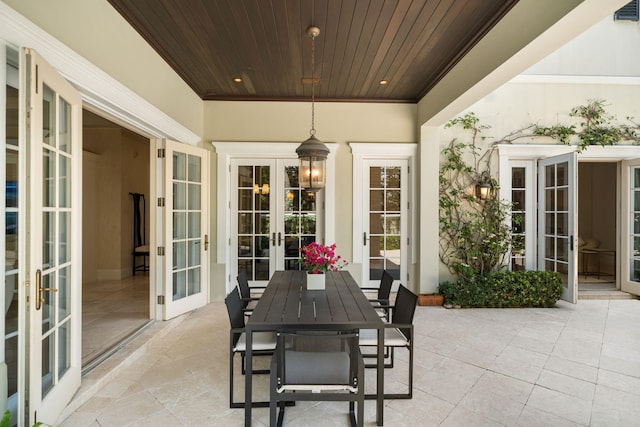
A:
{"x":234,"y":309}
{"x":405,"y":307}
{"x":318,"y":358}
{"x":385,"y":285}
{"x":243,"y":286}
{"x":139,"y":219}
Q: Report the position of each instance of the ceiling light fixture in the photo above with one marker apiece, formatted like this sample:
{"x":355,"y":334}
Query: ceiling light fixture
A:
{"x":237,"y":80}
{"x":384,"y":82}
{"x":312,"y":153}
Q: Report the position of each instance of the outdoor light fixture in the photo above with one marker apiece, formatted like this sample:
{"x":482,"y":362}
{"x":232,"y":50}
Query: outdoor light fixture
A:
{"x":483,"y":191}
{"x":312,"y":153}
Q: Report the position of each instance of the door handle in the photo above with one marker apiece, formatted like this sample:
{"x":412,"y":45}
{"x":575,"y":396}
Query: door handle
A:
{"x":206,"y":242}
{"x":40,"y":290}
{"x":279,"y":238}
{"x":273,"y":239}
{"x":364,"y":238}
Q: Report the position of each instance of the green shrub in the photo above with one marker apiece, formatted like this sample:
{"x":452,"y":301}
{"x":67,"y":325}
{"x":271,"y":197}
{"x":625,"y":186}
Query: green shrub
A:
{"x":505,"y":289}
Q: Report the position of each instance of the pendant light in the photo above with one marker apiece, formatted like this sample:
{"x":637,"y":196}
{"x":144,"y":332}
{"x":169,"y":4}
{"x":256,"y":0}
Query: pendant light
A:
{"x":312,"y":153}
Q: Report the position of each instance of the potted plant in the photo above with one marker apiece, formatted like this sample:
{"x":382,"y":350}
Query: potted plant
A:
{"x":317,"y":259}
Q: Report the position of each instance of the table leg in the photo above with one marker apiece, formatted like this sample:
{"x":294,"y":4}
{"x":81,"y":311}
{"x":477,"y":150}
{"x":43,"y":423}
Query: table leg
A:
{"x":380,"y":379}
{"x":248,"y":377}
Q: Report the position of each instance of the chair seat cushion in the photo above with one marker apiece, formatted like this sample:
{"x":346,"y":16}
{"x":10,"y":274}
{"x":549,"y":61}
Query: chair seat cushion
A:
{"x":316,"y":371}
{"x":261,"y":341}
{"x":392,"y":337}
{"x":144,"y":248}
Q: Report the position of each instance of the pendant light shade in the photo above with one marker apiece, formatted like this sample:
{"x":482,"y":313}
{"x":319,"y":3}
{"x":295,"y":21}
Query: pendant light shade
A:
{"x":312,"y":153}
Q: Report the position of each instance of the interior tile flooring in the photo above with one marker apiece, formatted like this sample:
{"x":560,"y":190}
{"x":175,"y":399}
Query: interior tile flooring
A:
{"x":112,"y":311}
{"x":573,"y":365}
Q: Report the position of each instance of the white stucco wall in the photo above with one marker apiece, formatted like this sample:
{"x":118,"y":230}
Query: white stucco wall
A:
{"x":609,"y":48}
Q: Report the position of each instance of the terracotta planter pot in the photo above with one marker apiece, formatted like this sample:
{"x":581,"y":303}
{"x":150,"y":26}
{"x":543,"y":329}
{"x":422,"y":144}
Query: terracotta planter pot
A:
{"x":433,"y":300}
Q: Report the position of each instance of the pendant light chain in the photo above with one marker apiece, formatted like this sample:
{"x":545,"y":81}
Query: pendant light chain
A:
{"x":313,"y":86}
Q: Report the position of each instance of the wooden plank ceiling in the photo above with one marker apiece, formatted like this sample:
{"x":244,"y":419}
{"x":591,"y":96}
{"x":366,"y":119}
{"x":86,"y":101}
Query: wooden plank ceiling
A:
{"x":411,"y":44}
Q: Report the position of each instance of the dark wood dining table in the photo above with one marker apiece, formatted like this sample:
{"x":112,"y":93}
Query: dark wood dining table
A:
{"x":286,"y":304}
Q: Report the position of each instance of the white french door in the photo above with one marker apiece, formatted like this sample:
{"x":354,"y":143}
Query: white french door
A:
{"x":185,"y":237}
{"x":271,"y":217}
{"x":630,"y":242}
{"x":385,"y":221}
{"x":557,"y":225}
{"x":53,"y":224}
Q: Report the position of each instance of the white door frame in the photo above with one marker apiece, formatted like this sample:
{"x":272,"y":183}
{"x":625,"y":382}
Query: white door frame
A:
{"x":253,"y":150}
{"x":624,"y":272}
{"x":36,"y":73}
{"x":532,"y":152}
{"x":362,"y":152}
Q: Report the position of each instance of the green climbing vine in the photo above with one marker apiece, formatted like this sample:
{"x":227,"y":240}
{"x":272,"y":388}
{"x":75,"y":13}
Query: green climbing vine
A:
{"x":475,"y":234}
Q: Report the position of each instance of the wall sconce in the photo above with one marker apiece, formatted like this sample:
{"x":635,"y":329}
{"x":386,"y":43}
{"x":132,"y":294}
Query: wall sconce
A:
{"x":483,"y":191}
{"x":261,"y":190}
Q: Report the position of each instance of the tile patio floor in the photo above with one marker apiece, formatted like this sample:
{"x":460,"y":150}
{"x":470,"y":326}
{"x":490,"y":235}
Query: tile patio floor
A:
{"x":574,"y":365}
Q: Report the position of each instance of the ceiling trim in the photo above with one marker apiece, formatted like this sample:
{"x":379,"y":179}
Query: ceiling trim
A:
{"x":98,"y":89}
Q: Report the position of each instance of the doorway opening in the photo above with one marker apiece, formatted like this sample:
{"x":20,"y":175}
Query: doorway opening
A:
{"x":115,"y":301}
{"x":598,"y":230}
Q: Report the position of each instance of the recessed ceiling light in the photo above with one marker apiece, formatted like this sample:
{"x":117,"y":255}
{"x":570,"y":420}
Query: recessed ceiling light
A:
{"x":384,"y":82}
{"x":237,"y":79}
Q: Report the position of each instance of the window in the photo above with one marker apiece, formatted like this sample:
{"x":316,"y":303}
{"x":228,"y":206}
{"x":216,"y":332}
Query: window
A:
{"x":628,"y":12}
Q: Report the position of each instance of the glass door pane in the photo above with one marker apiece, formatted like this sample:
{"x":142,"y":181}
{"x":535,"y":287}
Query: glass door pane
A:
{"x":11,"y":237}
{"x":300,"y":219}
{"x":557,"y":183}
{"x":254,"y":221}
{"x":385,"y":221}
{"x":272,"y":218}
{"x":187,"y":219}
{"x":185,"y":237}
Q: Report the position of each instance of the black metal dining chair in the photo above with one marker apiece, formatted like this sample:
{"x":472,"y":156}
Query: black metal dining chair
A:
{"x":264,"y":343}
{"x":248,"y":299}
{"x":381,"y":302}
{"x":317,"y":366}
{"x":397,"y":334}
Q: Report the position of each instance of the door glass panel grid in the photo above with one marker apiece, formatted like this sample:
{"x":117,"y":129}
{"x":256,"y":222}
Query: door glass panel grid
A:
{"x":11,"y":238}
{"x":254,"y":221}
{"x":634,"y":240}
{"x":56,"y":243}
{"x":187,"y":225}
{"x":300,"y":220}
{"x":518,"y":217}
{"x":384,"y":221}
{"x":556,"y":230}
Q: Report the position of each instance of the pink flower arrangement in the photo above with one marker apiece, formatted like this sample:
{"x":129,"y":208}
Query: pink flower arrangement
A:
{"x":317,"y":258}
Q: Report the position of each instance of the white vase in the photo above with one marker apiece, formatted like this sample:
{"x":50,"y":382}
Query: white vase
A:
{"x":315,"y":282}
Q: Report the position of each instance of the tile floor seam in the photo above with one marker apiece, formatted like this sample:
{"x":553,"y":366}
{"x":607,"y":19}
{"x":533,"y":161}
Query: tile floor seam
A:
{"x":608,"y":309}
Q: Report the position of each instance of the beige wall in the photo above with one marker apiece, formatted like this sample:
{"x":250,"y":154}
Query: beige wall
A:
{"x":290,"y":122}
{"x":90,"y":229}
{"x":96,"y":31}
{"x":122,"y":167}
